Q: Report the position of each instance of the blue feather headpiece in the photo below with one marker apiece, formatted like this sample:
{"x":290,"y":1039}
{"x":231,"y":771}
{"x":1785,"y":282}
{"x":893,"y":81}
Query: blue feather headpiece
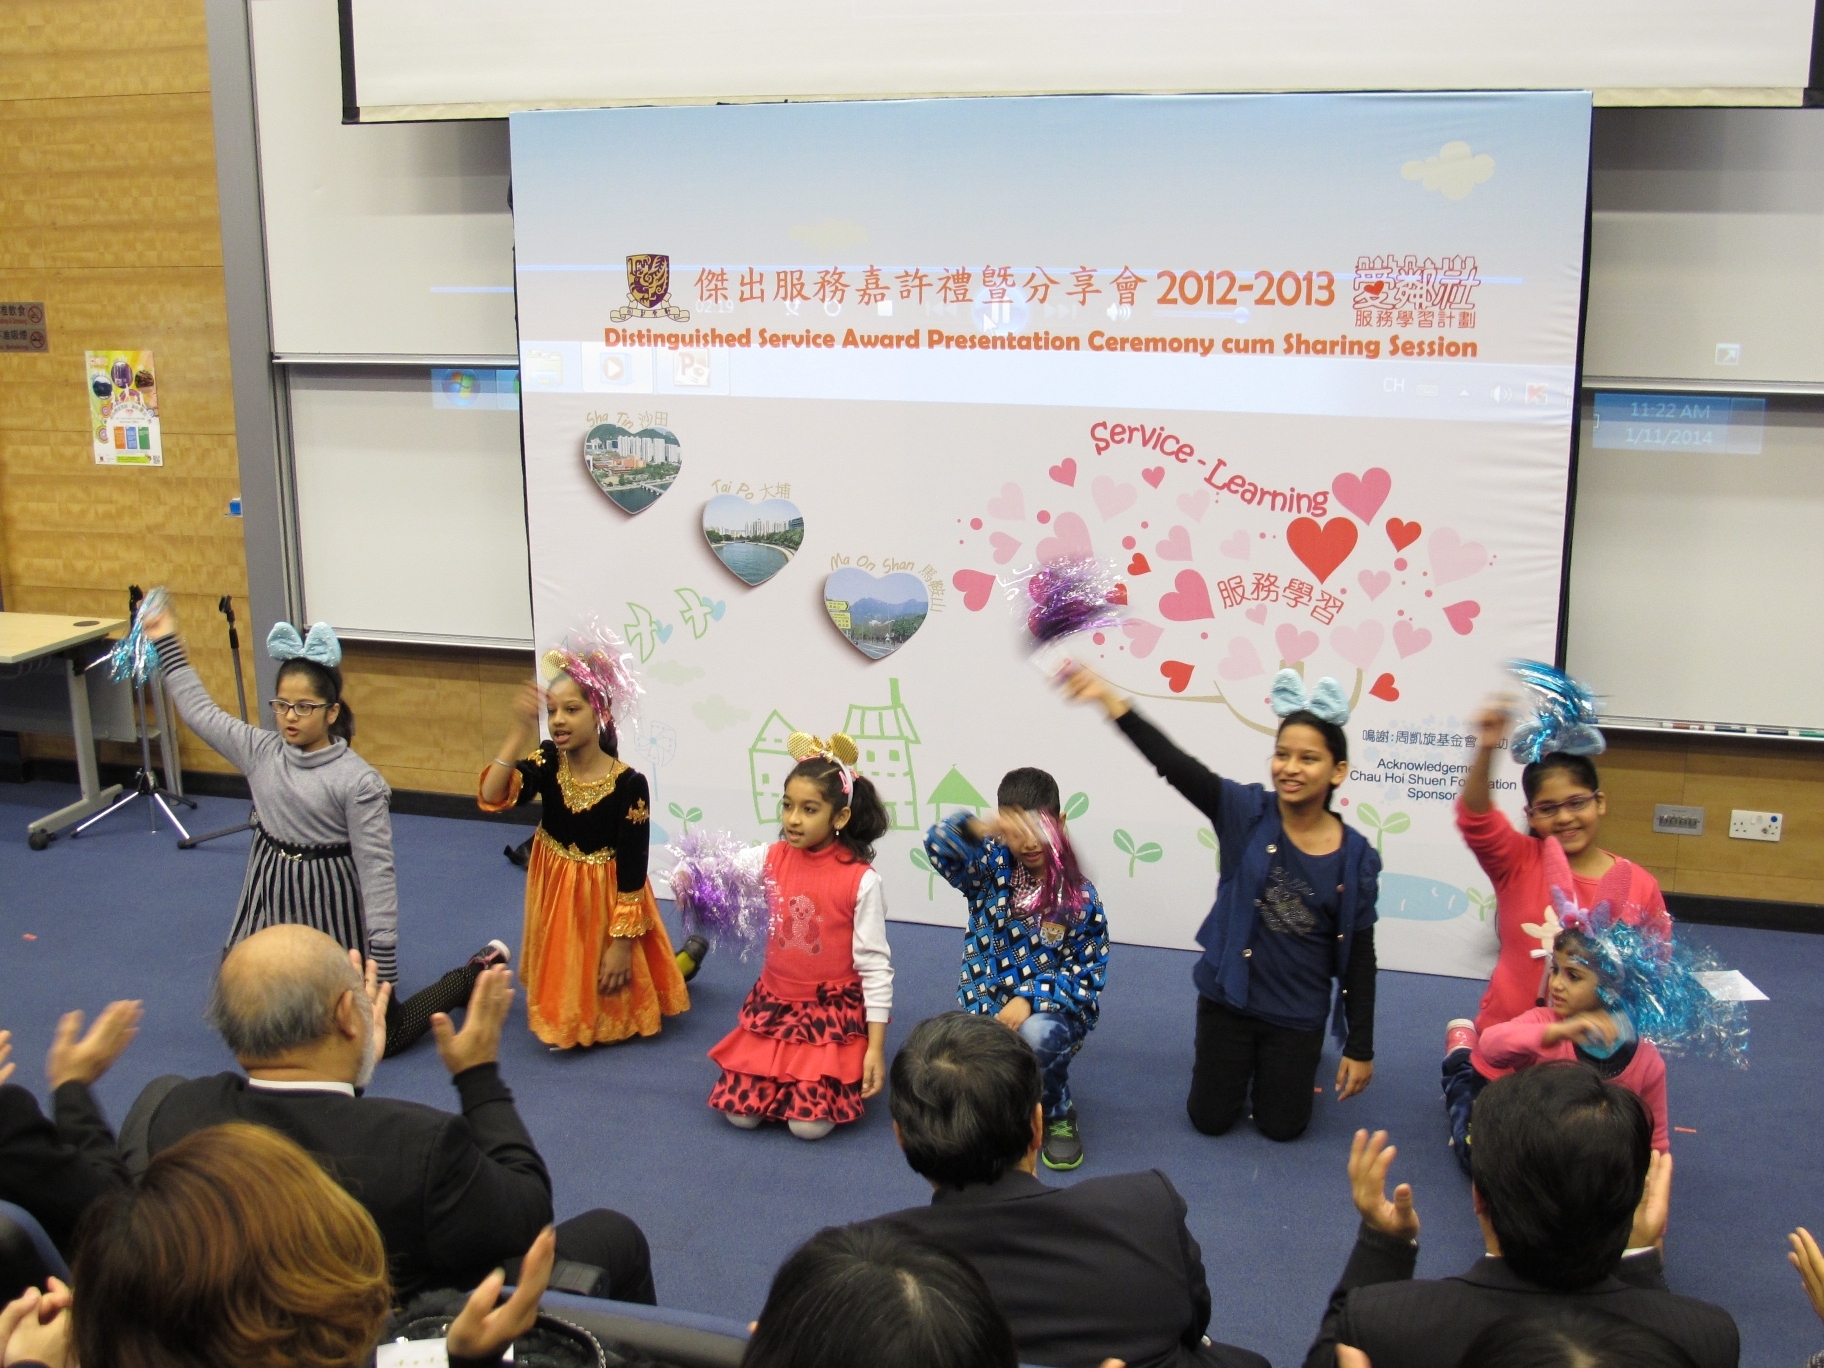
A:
{"x":1563,"y":715}
{"x":1326,"y":700}
{"x":319,"y":647}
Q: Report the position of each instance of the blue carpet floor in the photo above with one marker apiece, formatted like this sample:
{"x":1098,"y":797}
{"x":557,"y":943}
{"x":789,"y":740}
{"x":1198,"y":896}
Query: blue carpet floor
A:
{"x":123,"y":913}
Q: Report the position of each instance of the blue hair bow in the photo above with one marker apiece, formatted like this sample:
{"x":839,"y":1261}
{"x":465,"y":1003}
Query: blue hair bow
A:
{"x":320,"y":647}
{"x":1564,"y":715}
{"x":1326,"y":701}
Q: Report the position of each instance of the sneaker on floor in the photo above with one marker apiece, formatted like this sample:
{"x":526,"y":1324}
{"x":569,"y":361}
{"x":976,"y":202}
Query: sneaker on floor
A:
{"x":691,"y":957}
{"x":1459,"y":1035}
{"x":494,"y":953}
{"x":1063,"y":1147}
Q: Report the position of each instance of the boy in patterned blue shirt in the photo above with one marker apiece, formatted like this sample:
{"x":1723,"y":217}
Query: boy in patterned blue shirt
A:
{"x":1038,"y":969}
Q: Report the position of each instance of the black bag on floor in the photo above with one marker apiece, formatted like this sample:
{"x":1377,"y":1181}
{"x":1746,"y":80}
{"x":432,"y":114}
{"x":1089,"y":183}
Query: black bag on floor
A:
{"x":552,"y":1342}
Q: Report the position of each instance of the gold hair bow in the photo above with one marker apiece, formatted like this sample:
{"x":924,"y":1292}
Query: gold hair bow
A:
{"x":839,"y":748}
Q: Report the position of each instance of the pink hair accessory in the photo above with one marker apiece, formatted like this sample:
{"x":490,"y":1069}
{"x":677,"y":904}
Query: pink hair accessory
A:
{"x":602,"y":666}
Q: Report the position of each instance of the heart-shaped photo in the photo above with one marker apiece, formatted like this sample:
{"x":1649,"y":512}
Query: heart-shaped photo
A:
{"x":877,"y":615}
{"x":632,"y":468}
{"x":754,"y":540}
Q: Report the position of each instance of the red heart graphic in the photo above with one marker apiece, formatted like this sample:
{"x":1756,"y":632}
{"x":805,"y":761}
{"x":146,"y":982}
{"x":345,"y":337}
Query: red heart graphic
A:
{"x":1324,"y":548}
{"x":1374,"y":287}
{"x":1138,"y":565}
{"x":1462,"y":616}
{"x":1177,"y":675}
{"x":1190,"y":601}
{"x":1154,"y":477}
{"x":1118,"y":595}
{"x":1065,"y":471}
{"x":1402,"y":534}
{"x":976,"y":587}
{"x":1384,"y":688}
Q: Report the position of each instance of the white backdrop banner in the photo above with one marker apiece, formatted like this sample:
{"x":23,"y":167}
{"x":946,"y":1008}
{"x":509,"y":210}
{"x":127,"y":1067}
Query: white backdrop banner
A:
{"x":806,"y":386}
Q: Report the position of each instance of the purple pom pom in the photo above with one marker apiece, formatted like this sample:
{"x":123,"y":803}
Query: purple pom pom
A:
{"x":1074,"y":596}
{"x":721,"y":889}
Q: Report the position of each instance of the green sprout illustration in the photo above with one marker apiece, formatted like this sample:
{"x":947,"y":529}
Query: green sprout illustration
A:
{"x":1207,"y":839}
{"x":1483,"y":903}
{"x":1150,"y":853}
{"x":1076,"y":805}
{"x":922,"y":861}
{"x":687,"y":816}
{"x":1390,"y":825}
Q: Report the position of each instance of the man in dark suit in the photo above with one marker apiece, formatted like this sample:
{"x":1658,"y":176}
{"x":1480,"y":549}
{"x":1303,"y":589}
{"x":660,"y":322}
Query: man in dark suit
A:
{"x":55,"y":1169}
{"x":1572,"y":1202}
{"x":1102,"y":1269}
{"x":454,"y":1196}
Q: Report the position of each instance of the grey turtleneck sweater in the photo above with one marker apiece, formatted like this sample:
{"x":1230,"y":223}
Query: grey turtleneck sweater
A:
{"x":321,"y":797}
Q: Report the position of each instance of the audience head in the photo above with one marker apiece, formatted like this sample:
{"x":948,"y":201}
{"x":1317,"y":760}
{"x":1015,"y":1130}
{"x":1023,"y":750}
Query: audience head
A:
{"x":234,"y":1251}
{"x":1572,"y":1337}
{"x":881,"y":1295}
{"x":289,"y":989}
{"x":1559,"y":1161}
{"x":964,"y":1093}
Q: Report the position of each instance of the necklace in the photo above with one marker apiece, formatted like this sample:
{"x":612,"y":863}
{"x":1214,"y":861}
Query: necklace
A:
{"x":582,"y":794}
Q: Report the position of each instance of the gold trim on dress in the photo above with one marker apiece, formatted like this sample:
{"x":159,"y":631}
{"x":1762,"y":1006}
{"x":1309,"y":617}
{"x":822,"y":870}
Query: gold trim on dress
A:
{"x":638,"y":814}
{"x":537,"y":756}
{"x":569,"y":852}
{"x":580,"y":796}
{"x":638,"y":895}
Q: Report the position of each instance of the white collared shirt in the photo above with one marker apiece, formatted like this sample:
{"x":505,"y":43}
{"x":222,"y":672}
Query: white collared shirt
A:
{"x":292,"y":1085}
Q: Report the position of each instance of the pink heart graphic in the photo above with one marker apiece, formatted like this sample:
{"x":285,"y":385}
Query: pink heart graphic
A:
{"x":1065,"y":471}
{"x":1142,"y":635}
{"x":1194,"y":504}
{"x":1258,"y":613}
{"x":1236,"y":547}
{"x":1189,"y":601}
{"x":1155,"y":476}
{"x":1409,"y":640}
{"x":1070,"y":543}
{"x":1004,"y":546}
{"x":1374,"y":582}
{"x":1007,"y":504}
{"x":976,"y":586}
{"x":1176,"y":546}
{"x":1242,"y":661}
{"x":1462,"y":616}
{"x":1358,"y":645}
{"x":1293,"y":644}
{"x":1363,"y":494}
{"x":1452,"y":558}
{"x":1110,"y":497}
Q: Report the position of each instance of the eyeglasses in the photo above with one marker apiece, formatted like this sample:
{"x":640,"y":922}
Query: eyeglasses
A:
{"x":1547,"y":811}
{"x":285,"y":708}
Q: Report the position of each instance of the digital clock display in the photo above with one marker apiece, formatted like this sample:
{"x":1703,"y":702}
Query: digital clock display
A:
{"x":1709,"y":423}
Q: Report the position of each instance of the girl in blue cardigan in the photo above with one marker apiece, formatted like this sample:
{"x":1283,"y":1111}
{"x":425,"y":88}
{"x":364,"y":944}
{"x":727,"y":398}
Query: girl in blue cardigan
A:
{"x":1294,"y":913}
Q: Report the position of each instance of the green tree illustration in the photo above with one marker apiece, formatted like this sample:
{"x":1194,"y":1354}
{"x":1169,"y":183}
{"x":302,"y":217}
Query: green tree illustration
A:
{"x":1076,"y":805}
{"x":922,"y":861}
{"x":954,"y":791}
{"x":1483,"y":903}
{"x":1150,"y":853}
{"x":1207,"y":839}
{"x":1390,"y":825}
{"x":686,"y":815}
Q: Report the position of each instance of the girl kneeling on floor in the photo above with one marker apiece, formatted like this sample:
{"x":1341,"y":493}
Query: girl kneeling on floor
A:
{"x":811,"y":1040}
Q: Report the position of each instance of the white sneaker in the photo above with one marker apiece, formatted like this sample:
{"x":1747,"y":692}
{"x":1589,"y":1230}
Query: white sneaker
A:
{"x":811,"y":1130}
{"x":744,"y":1122}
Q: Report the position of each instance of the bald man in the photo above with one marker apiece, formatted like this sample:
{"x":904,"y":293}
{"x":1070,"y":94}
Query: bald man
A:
{"x":454,"y":1196}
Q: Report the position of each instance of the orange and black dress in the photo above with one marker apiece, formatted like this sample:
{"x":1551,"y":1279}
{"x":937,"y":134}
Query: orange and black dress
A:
{"x":586,"y":881}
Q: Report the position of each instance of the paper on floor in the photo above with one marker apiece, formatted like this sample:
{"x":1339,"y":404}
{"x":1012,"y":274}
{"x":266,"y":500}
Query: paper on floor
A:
{"x":1730,"y":985}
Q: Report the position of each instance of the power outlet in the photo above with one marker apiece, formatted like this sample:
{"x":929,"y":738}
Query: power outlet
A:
{"x":1754,"y":826}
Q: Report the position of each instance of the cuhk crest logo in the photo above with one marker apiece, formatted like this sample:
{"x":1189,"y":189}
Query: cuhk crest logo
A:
{"x":649,"y":290}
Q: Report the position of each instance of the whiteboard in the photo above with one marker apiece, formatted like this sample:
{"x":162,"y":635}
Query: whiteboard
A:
{"x":411,"y":518}
{"x":1697,"y":580}
{"x":1707,"y":246}
{"x":391,"y":239}
{"x":460,"y":58}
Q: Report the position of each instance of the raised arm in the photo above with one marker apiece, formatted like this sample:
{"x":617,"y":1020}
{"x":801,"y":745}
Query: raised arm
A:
{"x":234,"y":740}
{"x":1491,"y":730}
{"x":1199,"y":784}
{"x":497,"y":779}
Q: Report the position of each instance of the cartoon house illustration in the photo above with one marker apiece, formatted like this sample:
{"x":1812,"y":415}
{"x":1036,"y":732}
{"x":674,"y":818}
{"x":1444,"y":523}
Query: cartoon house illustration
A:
{"x":768,"y":763}
{"x":886,"y":736}
{"x":953,"y":791}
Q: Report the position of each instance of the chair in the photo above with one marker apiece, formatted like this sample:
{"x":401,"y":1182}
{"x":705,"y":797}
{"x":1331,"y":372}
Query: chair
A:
{"x":27,"y":1256}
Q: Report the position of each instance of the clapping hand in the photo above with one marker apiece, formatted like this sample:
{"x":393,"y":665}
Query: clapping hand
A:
{"x":1809,"y":1260}
{"x":35,"y":1328}
{"x":1370,"y":1156}
{"x":478,"y":1042}
{"x":483,"y":1329}
{"x":1655,"y":1206}
{"x":379,"y":995}
{"x":83,"y":1061}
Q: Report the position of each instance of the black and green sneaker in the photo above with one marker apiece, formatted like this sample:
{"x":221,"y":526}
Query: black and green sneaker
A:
{"x":1063,"y":1143}
{"x":691,"y":957}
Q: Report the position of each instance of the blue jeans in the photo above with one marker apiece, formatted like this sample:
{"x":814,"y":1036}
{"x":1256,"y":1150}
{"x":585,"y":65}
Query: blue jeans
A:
{"x":1054,"y":1037}
{"x":1462,"y":1085}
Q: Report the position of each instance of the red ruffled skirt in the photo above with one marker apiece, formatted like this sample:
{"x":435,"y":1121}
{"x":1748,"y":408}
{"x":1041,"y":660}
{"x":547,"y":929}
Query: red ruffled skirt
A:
{"x":795,"y":1061}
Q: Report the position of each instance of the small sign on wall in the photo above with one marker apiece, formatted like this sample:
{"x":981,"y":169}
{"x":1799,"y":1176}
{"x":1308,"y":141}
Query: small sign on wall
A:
{"x":22,"y":328}
{"x":1670,"y":819}
{"x":123,"y":408}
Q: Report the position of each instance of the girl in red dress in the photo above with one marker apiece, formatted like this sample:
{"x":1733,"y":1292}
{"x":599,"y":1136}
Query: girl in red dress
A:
{"x":811,"y":1040}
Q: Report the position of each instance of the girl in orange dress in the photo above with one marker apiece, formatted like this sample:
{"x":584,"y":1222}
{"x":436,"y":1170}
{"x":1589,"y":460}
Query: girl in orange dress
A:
{"x":597,"y":964}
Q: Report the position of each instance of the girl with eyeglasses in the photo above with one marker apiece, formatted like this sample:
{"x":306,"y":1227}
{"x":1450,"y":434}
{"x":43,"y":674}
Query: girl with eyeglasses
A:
{"x":1564,"y":799}
{"x":322,"y":851}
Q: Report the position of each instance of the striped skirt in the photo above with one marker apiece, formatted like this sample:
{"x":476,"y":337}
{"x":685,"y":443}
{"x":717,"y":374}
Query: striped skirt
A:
{"x":302,"y":885}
